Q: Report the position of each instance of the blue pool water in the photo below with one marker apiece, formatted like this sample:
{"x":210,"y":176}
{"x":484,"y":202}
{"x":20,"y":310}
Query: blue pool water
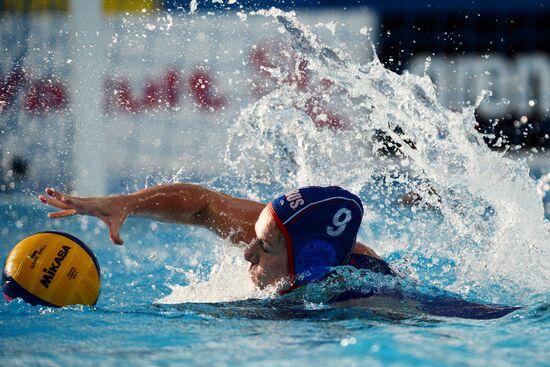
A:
{"x":127,"y":326}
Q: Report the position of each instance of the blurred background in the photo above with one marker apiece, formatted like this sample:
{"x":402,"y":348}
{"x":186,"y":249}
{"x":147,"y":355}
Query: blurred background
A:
{"x":105,"y":96}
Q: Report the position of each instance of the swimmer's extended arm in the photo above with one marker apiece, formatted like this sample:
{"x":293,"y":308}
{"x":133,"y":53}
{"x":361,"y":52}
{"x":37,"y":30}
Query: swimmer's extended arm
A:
{"x":228,"y":216}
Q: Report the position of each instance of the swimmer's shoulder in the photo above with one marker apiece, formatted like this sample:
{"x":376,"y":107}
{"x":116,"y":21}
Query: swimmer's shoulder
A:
{"x":373,"y":264}
{"x":362,"y":249}
{"x":363,"y":257}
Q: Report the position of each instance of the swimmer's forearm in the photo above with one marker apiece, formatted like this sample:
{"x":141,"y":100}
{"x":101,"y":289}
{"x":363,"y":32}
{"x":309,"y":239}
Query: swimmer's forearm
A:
{"x":180,"y":203}
{"x":229,"y":217}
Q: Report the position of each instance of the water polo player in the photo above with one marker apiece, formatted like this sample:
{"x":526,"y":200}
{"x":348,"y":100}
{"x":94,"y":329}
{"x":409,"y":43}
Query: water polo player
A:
{"x":294,"y":239}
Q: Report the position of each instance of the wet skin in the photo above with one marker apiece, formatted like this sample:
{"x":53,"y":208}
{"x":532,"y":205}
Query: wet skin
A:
{"x":267,"y":254}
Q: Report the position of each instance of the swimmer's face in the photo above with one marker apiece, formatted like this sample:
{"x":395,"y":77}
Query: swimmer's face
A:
{"x":267,"y":253}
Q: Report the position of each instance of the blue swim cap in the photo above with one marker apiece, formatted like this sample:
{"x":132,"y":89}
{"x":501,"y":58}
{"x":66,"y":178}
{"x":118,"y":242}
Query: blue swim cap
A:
{"x":320,"y":225}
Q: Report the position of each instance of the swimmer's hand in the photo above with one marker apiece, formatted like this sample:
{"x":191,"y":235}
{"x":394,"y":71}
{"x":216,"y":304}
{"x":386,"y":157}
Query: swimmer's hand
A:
{"x":111,"y":210}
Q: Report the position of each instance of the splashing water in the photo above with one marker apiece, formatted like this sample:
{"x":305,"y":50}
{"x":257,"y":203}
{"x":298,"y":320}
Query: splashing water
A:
{"x":477,"y":226}
{"x":227,"y":281}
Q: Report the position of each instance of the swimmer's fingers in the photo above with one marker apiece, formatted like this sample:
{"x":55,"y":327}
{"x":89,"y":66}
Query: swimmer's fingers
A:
{"x":62,"y":213}
{"x":114,"y":230}
{"x":115,"y":238}
{"x":55,"y":194}
{"x":53,"y":202}
{"x":82,"y":205}
{"x":66,"y":199}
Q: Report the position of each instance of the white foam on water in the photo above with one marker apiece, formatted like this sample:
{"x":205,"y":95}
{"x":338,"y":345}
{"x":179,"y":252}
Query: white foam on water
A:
{"x":227,"y":281}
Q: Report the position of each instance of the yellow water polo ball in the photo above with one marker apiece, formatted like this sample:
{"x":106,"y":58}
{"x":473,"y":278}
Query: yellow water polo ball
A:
{"x":52,"y":269}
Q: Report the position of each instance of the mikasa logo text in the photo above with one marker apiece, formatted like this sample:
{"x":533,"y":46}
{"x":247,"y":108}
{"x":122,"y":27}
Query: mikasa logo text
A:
{"x":52,"y":270}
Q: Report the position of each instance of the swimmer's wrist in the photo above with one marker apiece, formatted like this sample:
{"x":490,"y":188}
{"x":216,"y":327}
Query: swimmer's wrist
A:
{"x":139,"y":203}
{"x":129,"y":204}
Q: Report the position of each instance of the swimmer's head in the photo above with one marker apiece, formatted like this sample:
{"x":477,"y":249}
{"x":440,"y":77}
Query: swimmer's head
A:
{"x":302,"y":234}
{"x":267,"y":254}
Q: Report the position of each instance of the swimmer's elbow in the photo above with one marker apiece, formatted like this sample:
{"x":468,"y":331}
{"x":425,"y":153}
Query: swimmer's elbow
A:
{"x":202,"y":214}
